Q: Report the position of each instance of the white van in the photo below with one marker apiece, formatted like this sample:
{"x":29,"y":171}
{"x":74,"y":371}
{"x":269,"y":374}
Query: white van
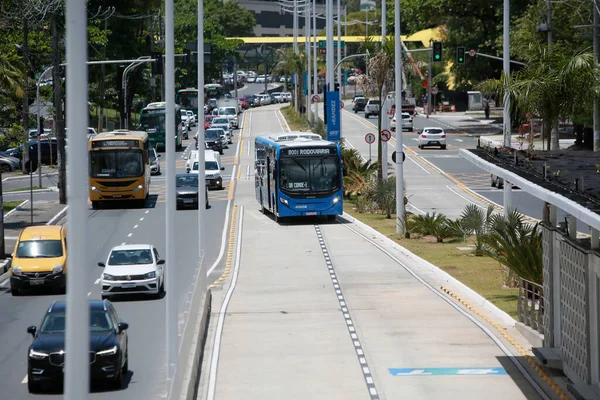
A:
{"x":212,"y":169}
{"x":192,"y":158}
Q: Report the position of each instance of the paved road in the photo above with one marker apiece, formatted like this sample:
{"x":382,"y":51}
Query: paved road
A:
{"x":462,"y":132}
{"x":108,"y":228}
{"x":318,"y":311}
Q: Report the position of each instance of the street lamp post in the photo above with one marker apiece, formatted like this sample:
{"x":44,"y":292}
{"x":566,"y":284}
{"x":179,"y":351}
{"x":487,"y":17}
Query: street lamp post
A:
{"x":124,"y":83}
{"x":400,"y":224}
{"x":315,"y":66}
{"x":329,"y":44}
{"x":39,"y":127}
{"x":77,"y":338}
{"x":201,"y":155}
{"x":307,"y":50}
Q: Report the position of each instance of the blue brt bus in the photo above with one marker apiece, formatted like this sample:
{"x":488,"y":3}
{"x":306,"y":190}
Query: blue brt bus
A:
{"x":298,"y":174}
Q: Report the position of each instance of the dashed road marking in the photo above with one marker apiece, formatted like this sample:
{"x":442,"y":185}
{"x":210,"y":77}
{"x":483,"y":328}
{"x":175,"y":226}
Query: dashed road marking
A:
{"x":129,"y":235}
{"x":123,"y":244}
{"x":348,"y":319}
{"x":141,"y":219}
{"x":97,"y":281}
{"x":135,"y":226}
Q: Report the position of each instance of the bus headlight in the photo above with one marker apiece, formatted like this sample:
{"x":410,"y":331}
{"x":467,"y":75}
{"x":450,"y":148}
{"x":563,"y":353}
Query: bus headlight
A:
{"x":137,"y":189}
{"x":336,"y":200}
{"x":94,"y":189}
{"x":284,"y":201}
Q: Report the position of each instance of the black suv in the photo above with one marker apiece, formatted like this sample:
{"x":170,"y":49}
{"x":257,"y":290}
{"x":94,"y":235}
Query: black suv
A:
{"x":109,"y":357}
{"x":359,"y":104}
{"x":212,"y":140}
{"x":49,"y":153}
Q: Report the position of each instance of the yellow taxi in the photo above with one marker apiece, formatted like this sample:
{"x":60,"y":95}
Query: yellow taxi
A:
{"x":39,"y":259}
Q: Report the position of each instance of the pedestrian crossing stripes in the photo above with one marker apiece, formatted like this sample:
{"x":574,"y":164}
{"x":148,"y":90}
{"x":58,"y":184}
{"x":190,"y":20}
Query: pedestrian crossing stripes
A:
{"x":474,"y":180}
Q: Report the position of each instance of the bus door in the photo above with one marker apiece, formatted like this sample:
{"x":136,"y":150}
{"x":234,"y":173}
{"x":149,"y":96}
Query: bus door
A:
{"x":269,"y":180}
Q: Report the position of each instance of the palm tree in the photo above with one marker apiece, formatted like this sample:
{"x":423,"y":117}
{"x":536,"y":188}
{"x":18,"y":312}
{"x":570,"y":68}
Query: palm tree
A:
{"x":384,"y":195}
{"x":475,"y":221}
{"x":11,"y":76}
{"x":555,"y":81}
{"x":360,"y":177}
{"x":293,"y":63}
{"x":437,"y":225}
{"x":516,"y":244}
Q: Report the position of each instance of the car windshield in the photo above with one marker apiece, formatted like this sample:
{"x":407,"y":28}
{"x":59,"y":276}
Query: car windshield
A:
{"x":130,"y":257}
{"x":208,"y":165}
{"x":39,"y":249}
{"x":223,"y":121}
{"x":405,"y":116}
{"x":213,"y":134}
{"x":376,"y":102}
{"x":152,"y":155}
{"x":434,"y":131}
{"x":187,"y":180}
{"x":298,"y":175}
{"x":227,"y":111}
{"x":116,"y":163}
{"x":55,"y":322}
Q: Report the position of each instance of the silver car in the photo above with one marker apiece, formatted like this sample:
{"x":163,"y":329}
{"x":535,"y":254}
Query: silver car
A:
{"x":154,"y":162}
{"x":223,"y":123}
{"x":8,"y":163}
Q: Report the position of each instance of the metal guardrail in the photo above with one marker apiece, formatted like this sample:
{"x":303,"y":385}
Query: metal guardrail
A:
{"x":530,"y":307}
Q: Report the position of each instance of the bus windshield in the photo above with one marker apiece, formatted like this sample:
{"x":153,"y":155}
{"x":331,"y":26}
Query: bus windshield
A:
{"x":188,"y":100}
{"x":302,"y":175}
{"x":116,"y":164}
{"x":153,"y":122}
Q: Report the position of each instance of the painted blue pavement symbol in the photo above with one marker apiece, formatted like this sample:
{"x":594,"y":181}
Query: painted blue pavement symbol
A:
{"x":445,"y":371}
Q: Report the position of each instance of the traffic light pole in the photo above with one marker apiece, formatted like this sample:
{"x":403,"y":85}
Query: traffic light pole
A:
{"x":429,"y":84}
{"x":400,"y":214}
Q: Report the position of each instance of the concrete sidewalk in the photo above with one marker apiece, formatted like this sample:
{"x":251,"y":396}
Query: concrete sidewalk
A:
{"x":521,"y":144}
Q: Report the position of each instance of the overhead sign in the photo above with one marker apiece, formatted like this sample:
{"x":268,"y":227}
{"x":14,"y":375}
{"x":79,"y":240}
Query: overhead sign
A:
{"x":313,"y":151}
{"x":472,"y":53}
{"x":115,"y":143}
{"x":386,"y":135}
{"x":446,"y":371}
{"x":333,"y":116}
{"x":370,"y":138}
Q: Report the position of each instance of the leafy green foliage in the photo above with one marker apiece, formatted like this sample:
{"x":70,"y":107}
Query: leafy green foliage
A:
{"x":383,"y":195}
{"x":437,"y":225}
{"x":475,"y":221}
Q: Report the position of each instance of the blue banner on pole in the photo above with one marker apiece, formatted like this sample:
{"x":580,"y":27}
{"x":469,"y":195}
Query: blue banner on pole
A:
{"x":333,"y":116}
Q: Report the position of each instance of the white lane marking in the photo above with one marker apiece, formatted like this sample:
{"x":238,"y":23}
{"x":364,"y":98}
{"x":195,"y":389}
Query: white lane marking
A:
{"x":459,"y":140}
{"x":416,"y":208}
{"x":89,"y":293}
{"x":420,"y":166}
{"x":97,"y":281}
{"x":212,"y":380}
{"x":130,"y":234}
{"x":141,"y":219}
{"x":24,"y":379}
{"x":135,"y":226}
{"x":147,"y":211}
{"x":123,"y":244}
{"x":464,"y":198}
{"x":248,"y":172}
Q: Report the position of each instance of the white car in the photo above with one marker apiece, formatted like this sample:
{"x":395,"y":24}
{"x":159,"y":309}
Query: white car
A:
{"x":133,"y":269}
{"x":223,"y":123}
{"x":432,"y":137}
{"x":191,"y":118}
{"x":407,"y":122}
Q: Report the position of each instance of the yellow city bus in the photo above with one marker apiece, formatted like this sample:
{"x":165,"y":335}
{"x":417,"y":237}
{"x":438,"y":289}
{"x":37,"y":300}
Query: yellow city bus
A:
{"x":119,"y":167}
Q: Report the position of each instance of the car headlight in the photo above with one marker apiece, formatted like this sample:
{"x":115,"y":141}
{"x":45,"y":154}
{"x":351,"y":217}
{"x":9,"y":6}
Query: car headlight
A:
{"x":16,"y":270}
{"x":57,"y":269}
{"x":284,"y":201}
{"x":108,"y":277}
{"x":150,"y":275}
{"x":336,"y":200}
{"x":108,"y":352}
{"x":94,"y":189}
{"x":137,"y":189}
{"x":37,"y":355}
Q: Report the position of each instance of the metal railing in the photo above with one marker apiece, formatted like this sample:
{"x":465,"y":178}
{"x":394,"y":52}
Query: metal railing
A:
{"x":530,"y":307}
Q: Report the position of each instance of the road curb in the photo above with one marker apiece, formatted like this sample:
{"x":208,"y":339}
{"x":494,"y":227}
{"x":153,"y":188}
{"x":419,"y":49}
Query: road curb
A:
{"x":480,"y":300}
{"x":17,"y":208}
{"x":61,"y":214}
{"x":24,"y":176}
{"x":45,"y":190}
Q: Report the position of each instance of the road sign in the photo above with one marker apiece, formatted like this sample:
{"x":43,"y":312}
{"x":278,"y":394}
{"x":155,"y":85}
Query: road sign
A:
{"x":386,"y":135}
{"x":394,"y":157}
{"x":370,"y":138}
{"x":316,"y":98}
{"x":434,"y":90}
{"x":472,"y":52}
{"x":341,"y":104}
{"x":332,"y":100}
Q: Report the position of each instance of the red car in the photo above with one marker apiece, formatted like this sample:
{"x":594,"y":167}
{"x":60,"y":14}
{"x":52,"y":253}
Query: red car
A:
{"x":243,"y":102}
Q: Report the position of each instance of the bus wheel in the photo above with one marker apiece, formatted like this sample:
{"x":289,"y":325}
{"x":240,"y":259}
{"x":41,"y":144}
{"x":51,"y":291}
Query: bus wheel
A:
{"x":95,"y":204}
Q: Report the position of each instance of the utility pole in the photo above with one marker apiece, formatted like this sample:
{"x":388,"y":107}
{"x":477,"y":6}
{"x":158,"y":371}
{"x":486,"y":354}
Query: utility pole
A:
{"x":428,"y":87}
{"x":506,"y":67}
{"x":329,"y":45}
{"x":315,"y":65}
{"x":58,"y":116}
{"x":26,"y":62}
{"x":307,"y":9}
{"x":400,"y":217}
{"x":385,"y":121}
{"x":595,"y":31}
{"x":101,"y":84}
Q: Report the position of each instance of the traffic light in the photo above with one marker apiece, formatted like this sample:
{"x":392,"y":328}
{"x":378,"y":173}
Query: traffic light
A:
{"x":437,"y":51}
{"x":157,"y":66}
{"x":336,"y":87}
{"x":460,"y":55}
{"x":188,"y":57}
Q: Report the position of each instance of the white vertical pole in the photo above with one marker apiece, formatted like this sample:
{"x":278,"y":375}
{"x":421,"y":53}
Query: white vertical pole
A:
{"x":506,"y":67}
{"x":596,"y":104}
{"x":329,"y":44}
{"x":295,"y":34}
{"x":339,"y":46}
{"x":171,"y":263}
{"x":383,"y":21}
{"x":315,"y":66}
{"x":385,"y":121}
{"x":399,"y":148}
{"x":307,"y":49}
{"x":201,"y":154}
{"x":507,"y":197}
{"x":77,"y":340}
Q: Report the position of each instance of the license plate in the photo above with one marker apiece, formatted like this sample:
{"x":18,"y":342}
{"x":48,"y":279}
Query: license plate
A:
{"x":128,"y":285}
{"x":116,"y":195}
{"x":434,"y":142}
{"x":311,"y":213}
{"x":188,"y":201}
{"x":36,"y":282}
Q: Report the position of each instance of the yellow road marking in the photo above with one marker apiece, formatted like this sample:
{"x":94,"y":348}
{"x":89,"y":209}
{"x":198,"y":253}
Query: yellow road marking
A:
{"x":231,"y":245}
{"x":513,"y":342}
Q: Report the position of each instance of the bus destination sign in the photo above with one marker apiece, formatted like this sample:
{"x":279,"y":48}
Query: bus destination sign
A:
{"x":159,"y":110}
{"x":312,"y":151}
{"x":114,"y":143}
